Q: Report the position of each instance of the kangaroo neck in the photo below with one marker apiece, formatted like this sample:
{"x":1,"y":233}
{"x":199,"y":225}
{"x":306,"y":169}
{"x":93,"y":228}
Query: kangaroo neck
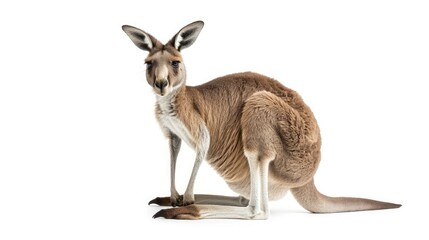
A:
{"x":168,"y":104}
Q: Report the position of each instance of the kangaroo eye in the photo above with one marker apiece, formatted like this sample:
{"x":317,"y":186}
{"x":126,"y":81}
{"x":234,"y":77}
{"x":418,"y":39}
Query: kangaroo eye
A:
{"x":175,"y":64}
{"x":148,"y":65}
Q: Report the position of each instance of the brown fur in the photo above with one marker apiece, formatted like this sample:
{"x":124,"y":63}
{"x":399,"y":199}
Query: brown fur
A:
{"x":234,"y":95}
{"x":262,"y":138}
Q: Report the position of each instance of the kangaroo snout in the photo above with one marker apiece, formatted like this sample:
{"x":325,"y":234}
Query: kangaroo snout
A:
{"x":161,"y":86}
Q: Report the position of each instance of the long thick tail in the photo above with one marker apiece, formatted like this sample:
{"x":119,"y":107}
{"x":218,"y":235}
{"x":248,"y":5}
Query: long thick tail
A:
{"x":312,"y":200}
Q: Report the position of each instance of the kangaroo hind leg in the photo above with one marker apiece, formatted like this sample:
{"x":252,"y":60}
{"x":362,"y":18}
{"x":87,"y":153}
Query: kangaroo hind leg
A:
{"x":238,"y":201}
{"x":290,"y":132}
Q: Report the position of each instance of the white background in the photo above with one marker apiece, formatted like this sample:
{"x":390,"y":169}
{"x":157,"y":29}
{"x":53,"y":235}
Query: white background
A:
{"x":81,"y":153}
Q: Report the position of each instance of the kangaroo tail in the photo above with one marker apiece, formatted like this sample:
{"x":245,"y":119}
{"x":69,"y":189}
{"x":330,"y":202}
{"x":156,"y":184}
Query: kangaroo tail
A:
{"x":312,"y":200}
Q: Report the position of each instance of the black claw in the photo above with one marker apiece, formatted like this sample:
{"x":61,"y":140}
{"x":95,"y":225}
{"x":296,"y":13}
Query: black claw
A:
{"x":155,"y":200}
{"x":159,"y":214}
{"x":161,"y":201}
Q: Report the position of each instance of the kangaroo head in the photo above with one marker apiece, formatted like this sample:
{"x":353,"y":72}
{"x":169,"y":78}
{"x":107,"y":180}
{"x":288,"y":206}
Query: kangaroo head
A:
{"x":165,"y":70}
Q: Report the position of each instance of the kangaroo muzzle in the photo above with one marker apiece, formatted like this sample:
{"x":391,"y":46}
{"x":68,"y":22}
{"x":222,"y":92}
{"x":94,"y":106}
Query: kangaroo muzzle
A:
{"x":161,"y":84}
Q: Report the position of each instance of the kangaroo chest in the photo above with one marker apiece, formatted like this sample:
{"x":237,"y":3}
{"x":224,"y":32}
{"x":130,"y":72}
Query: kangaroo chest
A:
{"x":168,"y":119}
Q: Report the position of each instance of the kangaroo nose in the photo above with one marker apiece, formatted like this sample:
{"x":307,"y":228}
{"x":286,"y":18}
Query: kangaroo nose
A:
{"x":161,"y":84}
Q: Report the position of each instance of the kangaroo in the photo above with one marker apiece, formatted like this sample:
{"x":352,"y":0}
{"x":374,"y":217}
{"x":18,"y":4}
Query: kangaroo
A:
{"x":257,"y":134}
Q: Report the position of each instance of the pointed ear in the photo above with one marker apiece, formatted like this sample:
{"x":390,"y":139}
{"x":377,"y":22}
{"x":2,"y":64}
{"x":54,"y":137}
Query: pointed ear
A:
{"x":187,"y":35}
{"x":141,"y":39}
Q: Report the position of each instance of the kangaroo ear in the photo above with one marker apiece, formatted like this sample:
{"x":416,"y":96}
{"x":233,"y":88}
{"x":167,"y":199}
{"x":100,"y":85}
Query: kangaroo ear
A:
{"x":187,"y":35}
{"x":141,"y":39}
